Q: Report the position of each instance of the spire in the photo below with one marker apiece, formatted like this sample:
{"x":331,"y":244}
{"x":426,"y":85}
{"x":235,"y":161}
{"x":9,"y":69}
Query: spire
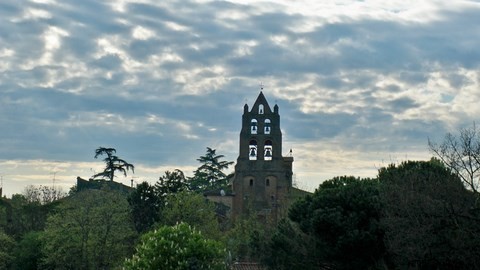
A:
{"x":261,"y":100}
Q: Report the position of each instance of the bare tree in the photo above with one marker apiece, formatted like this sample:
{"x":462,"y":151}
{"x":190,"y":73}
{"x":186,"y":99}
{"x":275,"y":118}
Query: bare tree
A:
{"x":462,"y":155}
{"x":43,"y":194}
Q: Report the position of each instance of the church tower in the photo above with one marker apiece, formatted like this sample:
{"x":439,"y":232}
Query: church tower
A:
{"x":263,"y":177}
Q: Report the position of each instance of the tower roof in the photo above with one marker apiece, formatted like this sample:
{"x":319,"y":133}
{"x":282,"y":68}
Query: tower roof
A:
{"x":261,"y":100}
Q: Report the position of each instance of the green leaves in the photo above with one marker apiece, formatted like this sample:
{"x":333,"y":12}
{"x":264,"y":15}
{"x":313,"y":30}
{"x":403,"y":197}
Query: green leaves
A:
{"x":343,"y":216}
{"x":176,"y":247}
{"x":430,"y":219}
{"x":210,"y":175}
{"x":90,"y":230}
{"x":6,"y":250}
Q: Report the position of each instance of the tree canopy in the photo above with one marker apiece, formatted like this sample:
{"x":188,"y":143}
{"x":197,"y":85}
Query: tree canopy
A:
{"x":176,"y":247}
{"x":112,"y":163}
{"x":343,"y":216}
{"x":430,"y":220}
{"x":90,"y":230}
{"x":210,"y":175}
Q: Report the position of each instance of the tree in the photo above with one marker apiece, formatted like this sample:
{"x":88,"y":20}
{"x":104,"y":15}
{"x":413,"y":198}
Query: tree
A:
{"x":145,"y":204}
{"x":430,"y":219}
{"x":246,"y":240}
{"x":210,"y":175}
{"x":147,"y":201}
{"x":462,"y":155}
{"x":177,"y":247}
{"x":43,"y":194}
{"x":6,"y":250}
{"x":171,"y":182}
{"x":290,"y":248}
{"x":92,"y":229}
{"x":113,"y":163}
{"x":191,"y":208}
{"x":28,"y":252}
{"x":343,"y":216}
{"x":24,"y":216}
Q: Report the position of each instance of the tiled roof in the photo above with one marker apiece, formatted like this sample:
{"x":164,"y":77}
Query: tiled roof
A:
{"x":247,"y":266}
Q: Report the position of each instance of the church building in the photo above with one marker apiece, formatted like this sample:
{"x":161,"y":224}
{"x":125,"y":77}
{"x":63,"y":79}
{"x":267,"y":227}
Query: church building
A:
{"x":262,"y":182}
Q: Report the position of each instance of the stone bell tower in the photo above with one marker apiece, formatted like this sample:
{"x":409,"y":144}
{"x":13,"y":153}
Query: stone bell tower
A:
{"x":263,"y":177}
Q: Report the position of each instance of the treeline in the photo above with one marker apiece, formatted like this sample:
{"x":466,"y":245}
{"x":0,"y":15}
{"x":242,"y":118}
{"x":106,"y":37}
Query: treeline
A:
{"x":415,"y":215}
{"x":43,"y":228}
{"x":412,"y":215}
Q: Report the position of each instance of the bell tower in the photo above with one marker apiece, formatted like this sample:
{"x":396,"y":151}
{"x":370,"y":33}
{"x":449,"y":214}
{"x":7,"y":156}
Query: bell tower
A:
{"x":263,"y":177}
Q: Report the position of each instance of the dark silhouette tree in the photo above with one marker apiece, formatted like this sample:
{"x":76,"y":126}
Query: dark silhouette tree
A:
{"x":113,"y":163}
{"x":145,"y":205}
{"x":429,"y":217}
{"x":171,"y":182}
{"x":210,"y":175}
{"x":343,"y":217}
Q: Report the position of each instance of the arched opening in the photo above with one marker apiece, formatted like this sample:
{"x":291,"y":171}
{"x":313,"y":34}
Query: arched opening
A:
{"x":260,"y":109}
{"x":267,"y":182}
{"x":252,"y":150}
{"x":251,"y":182}
{"x":253,"y":126}
{"x":268,"y":150}
{"x":267,"y":127}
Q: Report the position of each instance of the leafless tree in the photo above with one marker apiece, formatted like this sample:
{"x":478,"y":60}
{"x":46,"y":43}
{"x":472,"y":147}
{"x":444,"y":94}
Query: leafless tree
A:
{"x":462,"y":155}
{"x":43,"y":194}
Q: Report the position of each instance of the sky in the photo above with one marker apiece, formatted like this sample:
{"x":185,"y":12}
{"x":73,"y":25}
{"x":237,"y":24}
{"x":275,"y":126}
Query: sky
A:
{"x":359,"y":84}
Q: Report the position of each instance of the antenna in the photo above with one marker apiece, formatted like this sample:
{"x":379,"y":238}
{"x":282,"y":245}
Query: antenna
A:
{"x":53,"y":180}
{"x":93,"y":176}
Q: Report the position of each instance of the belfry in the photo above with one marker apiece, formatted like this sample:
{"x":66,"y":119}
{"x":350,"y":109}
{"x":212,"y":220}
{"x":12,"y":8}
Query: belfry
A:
{"x":263,"y":177}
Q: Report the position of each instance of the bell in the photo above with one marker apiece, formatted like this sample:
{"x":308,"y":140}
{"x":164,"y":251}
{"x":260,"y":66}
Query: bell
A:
{"x":268,"y":153}
{"x":254,"y":127}
{"x":252,"y":152}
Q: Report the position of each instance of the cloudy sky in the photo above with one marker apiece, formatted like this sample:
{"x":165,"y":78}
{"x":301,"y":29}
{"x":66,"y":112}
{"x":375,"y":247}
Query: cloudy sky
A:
{"x":360,"y":84}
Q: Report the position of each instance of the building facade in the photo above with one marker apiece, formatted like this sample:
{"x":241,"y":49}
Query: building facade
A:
{"x":263,"y":177}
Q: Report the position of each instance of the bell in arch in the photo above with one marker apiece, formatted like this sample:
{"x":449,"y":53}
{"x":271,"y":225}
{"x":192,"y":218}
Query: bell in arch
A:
{"x":268,"y":153}
{"x":252,"y":152}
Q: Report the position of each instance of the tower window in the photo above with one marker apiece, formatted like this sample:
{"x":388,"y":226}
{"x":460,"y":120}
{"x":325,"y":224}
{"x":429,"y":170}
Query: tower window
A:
{"x":251,"y":182}
{"x":253,"y":126}
{"x":267,"y":182}
{"x":252,"y":150}
{"x":268,"y":150}
{"x":267,"y":127}
{"x":260,"y":109}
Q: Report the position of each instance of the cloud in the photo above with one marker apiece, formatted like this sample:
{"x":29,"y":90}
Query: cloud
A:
{"x":356,"y":82}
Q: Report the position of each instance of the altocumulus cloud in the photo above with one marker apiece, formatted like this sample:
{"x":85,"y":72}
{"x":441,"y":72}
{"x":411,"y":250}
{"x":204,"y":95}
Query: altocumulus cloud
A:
{"x":359,"y":84}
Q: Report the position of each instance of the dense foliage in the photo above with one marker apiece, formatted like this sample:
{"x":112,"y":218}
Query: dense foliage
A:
{"x":6,"y":250}
{"x":177,"y":247}
{"x":91,"y":230}
{"x":343,"y":216}
{"x":413,"y":215}
{"x":431,"y":221}
{"x":210,"y":175}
